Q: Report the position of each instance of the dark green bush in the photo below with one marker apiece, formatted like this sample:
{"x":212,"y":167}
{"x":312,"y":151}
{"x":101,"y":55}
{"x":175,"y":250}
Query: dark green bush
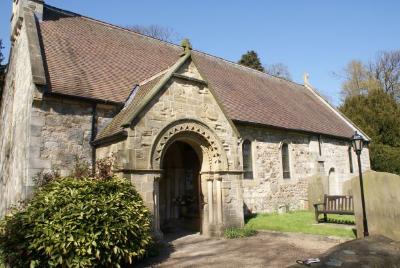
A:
{"x":385,"y":158}
{"x":78,"y":223}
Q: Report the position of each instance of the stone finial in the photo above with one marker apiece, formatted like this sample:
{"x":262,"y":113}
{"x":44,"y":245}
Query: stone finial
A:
{"x":306,"y":79}
{"x":187,"y":46}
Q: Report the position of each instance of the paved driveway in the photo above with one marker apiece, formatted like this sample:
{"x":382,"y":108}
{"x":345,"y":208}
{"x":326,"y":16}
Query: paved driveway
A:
{"x":266,"y":249}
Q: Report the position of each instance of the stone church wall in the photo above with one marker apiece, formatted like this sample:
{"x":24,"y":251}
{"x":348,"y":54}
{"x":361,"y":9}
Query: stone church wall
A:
{"x":14,"y":124}
{"x":41,"y":134}
{"x":37,"y":132}
{"x":61,"y":132}
{"x":268,"y":191}
{"x":335,"y":154}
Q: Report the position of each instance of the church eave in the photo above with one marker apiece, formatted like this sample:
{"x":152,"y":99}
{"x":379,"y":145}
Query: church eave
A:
{"x":121,"y":135}
{"x":294,"y":130}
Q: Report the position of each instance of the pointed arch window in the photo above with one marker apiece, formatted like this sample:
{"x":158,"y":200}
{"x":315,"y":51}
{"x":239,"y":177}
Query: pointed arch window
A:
{"x":285,"y":161}
{"x":247,"y":160}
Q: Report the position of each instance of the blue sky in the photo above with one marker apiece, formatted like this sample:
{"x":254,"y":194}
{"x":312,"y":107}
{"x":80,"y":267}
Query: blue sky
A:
{"x":314,"y":36}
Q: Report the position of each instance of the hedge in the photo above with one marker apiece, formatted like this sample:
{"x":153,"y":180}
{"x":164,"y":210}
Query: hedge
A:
{"x":385,"y":158}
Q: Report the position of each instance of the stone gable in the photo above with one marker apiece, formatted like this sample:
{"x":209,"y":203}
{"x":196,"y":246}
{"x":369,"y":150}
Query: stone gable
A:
{"x":180,"y":99}
{"x":185,"y":105}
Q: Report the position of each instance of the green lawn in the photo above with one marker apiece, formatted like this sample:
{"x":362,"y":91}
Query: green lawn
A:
{"x":300,"y":222}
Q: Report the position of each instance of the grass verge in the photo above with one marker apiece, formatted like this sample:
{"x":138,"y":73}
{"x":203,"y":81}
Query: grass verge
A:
{"x":232,"y":233}
{"x":300,"y":222}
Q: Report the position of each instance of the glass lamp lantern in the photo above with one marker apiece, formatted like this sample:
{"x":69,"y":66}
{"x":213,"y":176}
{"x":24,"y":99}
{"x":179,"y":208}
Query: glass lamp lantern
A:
{"x":357,"y":142}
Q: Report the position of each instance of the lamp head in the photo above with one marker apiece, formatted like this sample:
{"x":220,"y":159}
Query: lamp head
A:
{"x":357,"y":142}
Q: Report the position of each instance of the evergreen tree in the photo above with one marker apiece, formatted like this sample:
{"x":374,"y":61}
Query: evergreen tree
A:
{"x":251,"y":59}
{"x":378,"y":114}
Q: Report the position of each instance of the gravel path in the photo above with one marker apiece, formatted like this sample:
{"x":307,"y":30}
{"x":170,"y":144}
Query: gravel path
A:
{"x":266,"y":249}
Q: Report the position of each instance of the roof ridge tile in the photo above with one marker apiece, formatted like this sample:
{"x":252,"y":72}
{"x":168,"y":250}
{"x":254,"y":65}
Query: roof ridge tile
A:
{"x":249,"y":69}
{"x":72,"y":14}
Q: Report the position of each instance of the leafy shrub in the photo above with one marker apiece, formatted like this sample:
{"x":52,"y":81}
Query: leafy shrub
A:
{"x":385,"y":158}
{"x":232,"y":233}
{"x":78,"y":223}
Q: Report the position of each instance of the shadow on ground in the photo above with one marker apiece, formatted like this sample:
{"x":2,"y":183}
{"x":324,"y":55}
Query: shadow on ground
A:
{"x":374,"y":251}
{"x":164,"y":249}
{"x":274,"y":249}
{"x":266,"y":249}
{"x":337,"y":221}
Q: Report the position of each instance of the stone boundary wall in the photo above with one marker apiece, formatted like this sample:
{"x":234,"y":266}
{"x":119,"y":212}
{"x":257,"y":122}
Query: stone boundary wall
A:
{"x":382,"y":202}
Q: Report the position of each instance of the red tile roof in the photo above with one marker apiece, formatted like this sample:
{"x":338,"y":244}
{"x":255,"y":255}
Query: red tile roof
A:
{"x":115,"y":126}
{"x":93,"y":59}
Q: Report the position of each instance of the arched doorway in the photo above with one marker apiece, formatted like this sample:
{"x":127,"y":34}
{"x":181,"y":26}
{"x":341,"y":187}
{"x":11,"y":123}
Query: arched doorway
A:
{"x":180,"y":195}
{"x":214,"y":185}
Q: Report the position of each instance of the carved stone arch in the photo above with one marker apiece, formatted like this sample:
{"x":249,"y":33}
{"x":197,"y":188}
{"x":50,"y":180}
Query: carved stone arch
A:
{"x":203,"y":140}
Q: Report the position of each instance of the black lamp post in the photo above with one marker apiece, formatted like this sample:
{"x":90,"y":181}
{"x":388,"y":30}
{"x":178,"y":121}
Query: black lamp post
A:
{"x":358,"y":144}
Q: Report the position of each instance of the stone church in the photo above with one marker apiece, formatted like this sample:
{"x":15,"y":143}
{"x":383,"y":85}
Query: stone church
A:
{"x":203,"y":139}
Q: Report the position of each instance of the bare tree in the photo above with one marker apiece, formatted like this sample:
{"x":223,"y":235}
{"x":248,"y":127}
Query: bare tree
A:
{"x":279,"y":70}
{"x":356,"y":79}
{"x":382,"y":73}
{"x":386,"y":70}
{"x":156,"y":31}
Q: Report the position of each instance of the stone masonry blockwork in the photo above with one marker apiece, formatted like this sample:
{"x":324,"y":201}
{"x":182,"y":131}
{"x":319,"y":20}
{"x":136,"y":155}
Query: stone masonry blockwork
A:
{"x":62,"y":130}
{"x":268,"y":191}
{"x":15,"y":114}
{"x":186,"y":100}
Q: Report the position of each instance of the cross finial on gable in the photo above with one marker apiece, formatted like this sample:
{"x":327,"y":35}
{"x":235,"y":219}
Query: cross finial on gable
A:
{"x":306,"y":79}
{"x":187,"y":46}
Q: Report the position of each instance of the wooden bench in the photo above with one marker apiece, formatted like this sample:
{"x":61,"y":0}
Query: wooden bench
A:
{"x":335,"y":204}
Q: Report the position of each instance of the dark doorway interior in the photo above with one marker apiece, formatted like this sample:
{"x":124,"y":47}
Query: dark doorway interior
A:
{"x":180,"y":190}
